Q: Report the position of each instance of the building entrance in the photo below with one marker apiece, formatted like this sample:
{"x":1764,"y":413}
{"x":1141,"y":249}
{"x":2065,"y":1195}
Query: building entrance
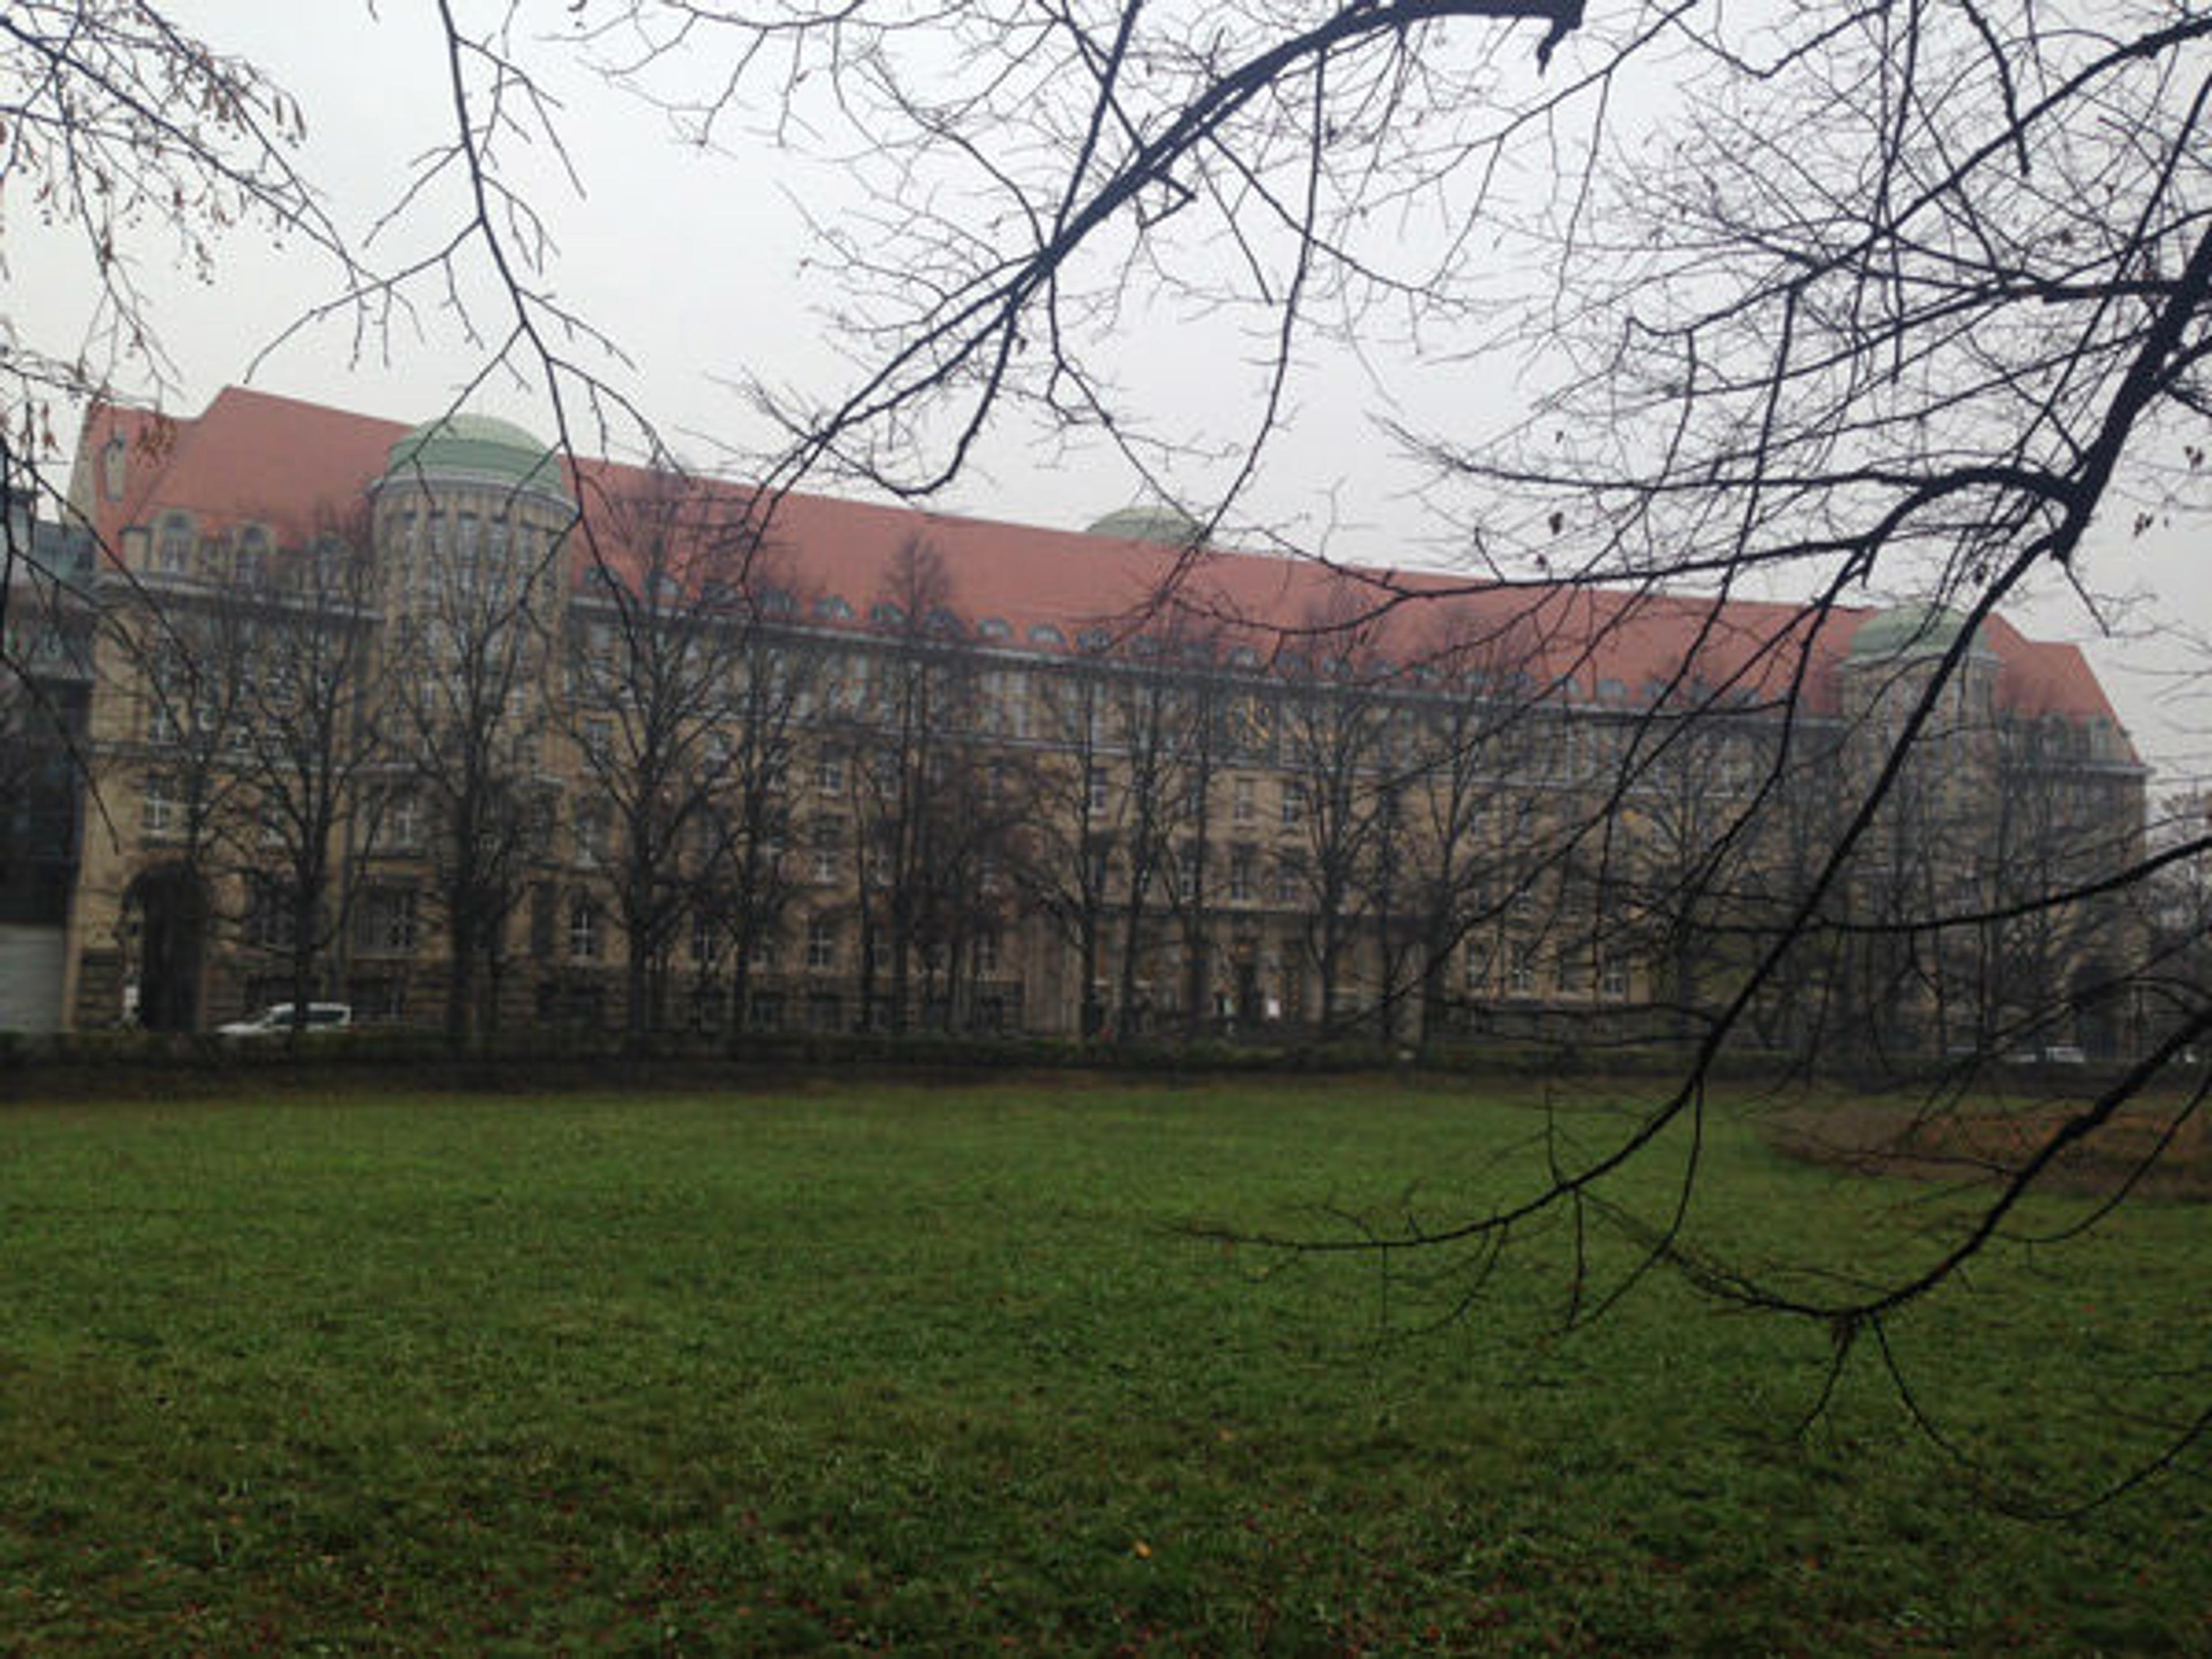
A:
{"x":165,"y":918}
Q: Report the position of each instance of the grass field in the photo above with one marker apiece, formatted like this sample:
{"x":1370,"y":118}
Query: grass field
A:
{"x":945,"y":1370}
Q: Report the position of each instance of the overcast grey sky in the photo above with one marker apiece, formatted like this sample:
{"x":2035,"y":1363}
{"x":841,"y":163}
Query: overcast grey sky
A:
{"x":695,"y":264}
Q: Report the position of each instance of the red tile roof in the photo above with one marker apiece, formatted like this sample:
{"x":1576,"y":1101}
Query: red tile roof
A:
{"x":254,"y":457}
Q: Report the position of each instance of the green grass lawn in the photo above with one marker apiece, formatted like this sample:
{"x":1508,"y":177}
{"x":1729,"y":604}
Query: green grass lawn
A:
{"x":945,"y":1370}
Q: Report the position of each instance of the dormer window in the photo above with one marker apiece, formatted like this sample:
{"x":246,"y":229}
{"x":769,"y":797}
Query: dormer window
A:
{"x":252,"y":565}
{"x":173,"y":544}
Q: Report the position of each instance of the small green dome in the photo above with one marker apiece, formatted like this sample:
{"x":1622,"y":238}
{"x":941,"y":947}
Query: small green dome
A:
{"x":1168,"y":525}
{"x":479,"y":446}
{"x":1912,"y":631}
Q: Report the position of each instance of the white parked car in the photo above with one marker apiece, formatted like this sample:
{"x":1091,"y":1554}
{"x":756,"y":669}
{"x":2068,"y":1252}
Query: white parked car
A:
{"x":276,"y":1020}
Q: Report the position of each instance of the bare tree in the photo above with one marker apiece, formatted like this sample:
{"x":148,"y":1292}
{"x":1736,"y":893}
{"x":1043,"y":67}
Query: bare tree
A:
{"x":1904,"y":299}
{"x":911,"y":737}
{"x":1195,"y":711}
{"x":1336,"y":721}
{"x":1469,"y":746}
{"x":471,"y":605}
{"x":1865,"y":298}
{"x":745,"y":878}
{"x":310,"y":755}
{"x":1066,"y":858}
{"x":187,"y":652}
{"x":679,"y":594}
{"x":1147,"y":793}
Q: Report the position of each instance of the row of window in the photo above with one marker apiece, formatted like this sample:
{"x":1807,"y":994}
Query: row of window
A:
{"x":244,"y":559}
{"x":1571,"y":973}
{"x":385,"y":924}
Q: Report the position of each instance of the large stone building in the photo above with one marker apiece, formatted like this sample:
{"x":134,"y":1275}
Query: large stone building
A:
{"x":433,"y":722}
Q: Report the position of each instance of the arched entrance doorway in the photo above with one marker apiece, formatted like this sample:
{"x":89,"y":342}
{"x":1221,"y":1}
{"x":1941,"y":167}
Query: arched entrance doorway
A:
{"x":165,"y":914}
{"x":2098,"y":1007}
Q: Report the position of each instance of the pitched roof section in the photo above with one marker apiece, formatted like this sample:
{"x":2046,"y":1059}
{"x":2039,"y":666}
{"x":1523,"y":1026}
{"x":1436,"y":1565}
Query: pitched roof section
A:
{"x":253,"y":457}
{"x":249,"y":458}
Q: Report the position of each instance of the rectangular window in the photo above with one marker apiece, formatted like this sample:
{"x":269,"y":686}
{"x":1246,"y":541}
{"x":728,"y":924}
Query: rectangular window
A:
{"x":269,"y":922}
{"x":821,"y":945}
{"x":830,"y":772}
{"x":1294,"y":805}
{"x":1240,"y":875}
{"x":1613,"y":978}
{"x":1520,"y":972}
{"x":162,"y":726}
{"x":1289,"y":889}
{"x":583,"y":930}
{"x":987,"y":953}
{"x":1243,"y":802}
{"x":1095,"y":786}
{"x":403,"y":828}
{"x":160,"y":812}
{"x":594,"y":834}
{"x":168,"y":693}
{"x":384,"y":923}
{"x":828,"y":846}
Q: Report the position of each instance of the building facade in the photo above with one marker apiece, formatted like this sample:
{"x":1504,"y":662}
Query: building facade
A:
{"x":435,"y":722}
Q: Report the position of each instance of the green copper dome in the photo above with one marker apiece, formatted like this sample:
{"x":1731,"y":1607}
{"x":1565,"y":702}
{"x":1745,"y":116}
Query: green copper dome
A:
{"x":1912,"y":631}
{"x":479,"y":446}
{"x":1166,"y":524}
